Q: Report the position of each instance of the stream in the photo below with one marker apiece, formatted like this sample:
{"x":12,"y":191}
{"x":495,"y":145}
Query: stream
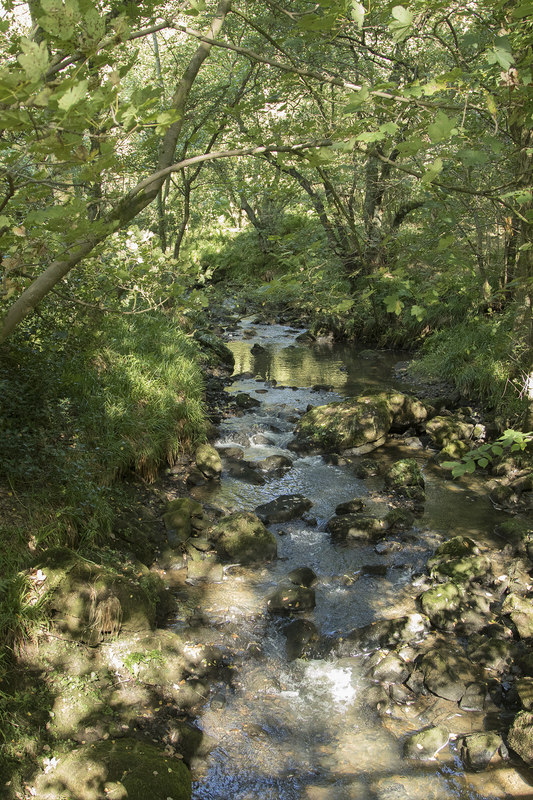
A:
{"x":308,"y":729}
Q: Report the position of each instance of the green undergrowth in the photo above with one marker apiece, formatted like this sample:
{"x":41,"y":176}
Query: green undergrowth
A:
{"x":84,"y":402}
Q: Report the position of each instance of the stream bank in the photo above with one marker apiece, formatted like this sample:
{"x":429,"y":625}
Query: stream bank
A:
{"x":306,"y":676}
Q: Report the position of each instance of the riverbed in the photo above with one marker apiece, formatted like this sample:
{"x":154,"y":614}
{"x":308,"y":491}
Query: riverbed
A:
{"x":309,"y":728}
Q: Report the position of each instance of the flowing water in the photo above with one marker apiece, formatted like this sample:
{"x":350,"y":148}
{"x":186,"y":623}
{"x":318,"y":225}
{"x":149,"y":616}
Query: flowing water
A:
{"x":308,"y":729}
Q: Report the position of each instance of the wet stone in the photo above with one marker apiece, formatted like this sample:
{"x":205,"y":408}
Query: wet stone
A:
{"x":283,"y":508}
{"x":474,"y":697}
{"x":300,"y":635}
{"x":442,"y":676}
{"x":350,"y":507}
{"x":356,"y":527}
{"x":425,"y":745}
{"x":391,"y":669}
{"x":302,"y":576}
{"x":245,"y":401}
{"x":385,"y":633}
{"x":478,"y":749}
{"x":290,"y":599}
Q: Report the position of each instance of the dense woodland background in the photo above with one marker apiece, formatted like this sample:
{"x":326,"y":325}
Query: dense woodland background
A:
{"x":364,"y":166}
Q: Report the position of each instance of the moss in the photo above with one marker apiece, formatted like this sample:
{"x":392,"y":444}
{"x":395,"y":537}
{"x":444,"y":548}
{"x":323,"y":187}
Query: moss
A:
{"x":125,"y":768}
{"x":242,"y":537}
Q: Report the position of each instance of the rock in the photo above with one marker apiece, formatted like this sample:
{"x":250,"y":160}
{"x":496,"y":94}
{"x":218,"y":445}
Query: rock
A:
{"x":461,"y":570}
{"x":189,"y":740}
{"x":356,"y":527}
{"x":236,"y":453}
{"x":403,"y":474}
{"x":456,"y":547}
{"x":287,"y":599}
{"x":244,"y":472}
{"x":350,"y":507}
{"x":273,"y":464}
{"x":205,"y":569}
{"x":302,"y":576}
{"x":391,"y":669}
{"x":520,"y":609}
{"x":121,"y":768}
{"x":474,"y":697}
{"x":258,"y":349}
{"x":494,"y":654}
{"x":245,"y":401}
{"x":425,"y":745}
{"x":478,"y":749}
{"x":216,"y":348}
{"x":178,"y":519}
{"x":400,"y":519}
{"x":283,"y":508}
{"x":446,"y":674}
{"x":305,"y":338}
{"x":514,"y":530}
{"x":93,"y":603}
{"x":520,"y":736}
{"x":301,"y":635}
{"x":243,"y":538}
{"x":524,"y":687}
{"x":385,"y":633}
{"x":445,"y":430}
{"x":367,"y":468}
{"x":343,"y":425}
{"x":442,"y":604}
{"x":208,"y":461}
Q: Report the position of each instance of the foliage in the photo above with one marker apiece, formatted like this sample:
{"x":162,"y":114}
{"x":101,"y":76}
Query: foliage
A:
{"x":511,"y":441}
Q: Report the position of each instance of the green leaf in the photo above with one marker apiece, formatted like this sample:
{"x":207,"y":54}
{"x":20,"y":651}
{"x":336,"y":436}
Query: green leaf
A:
{"x":432,"y":171}
{"x":34,"y":60}
{"x":441,"y":128}
{"x":344,"y":305}
{"x":370,"y":136}
{"x":72,"y":96}
{"x":357,"y":13}
{"x":471,"y":158}
{"x":470,"y":466}
{"x":356,"y":99}
{"x":445,"y":242}
{"x":419,"y":312}
{"x":94,"y":25}
{"x":501,"y":53}
{"x":389,"y":127}
{"x":393,"y":304}
{"x":411,"y":146}
{"x":401,"y":23}
{"x":524,"y":10}
{"x":482,"y":462}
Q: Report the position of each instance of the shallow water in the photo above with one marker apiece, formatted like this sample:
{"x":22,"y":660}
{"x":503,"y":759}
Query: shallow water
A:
{"x":306,"y":729}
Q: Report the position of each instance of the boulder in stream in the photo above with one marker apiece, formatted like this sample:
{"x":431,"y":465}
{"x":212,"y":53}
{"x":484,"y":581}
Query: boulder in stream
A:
{"x":242,"y":537}
{"x":425,"y":745}
{"x":478,"y":749}
{"x":290,"y":599}
{"x":385,"y":633}
{"x":357,"y":527}
{"x":283,"y":508}
{"x":520,"y":736}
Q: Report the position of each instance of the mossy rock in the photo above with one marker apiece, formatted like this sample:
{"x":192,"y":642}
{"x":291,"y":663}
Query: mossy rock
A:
{"x":425,"y":745}
{"x":520,"y":609}
{"x":215,"y":348}
{"x":242,"y":537}
{"x":92,"y":603}
{"x":514,"y":530}
{"x":456,"y":547}
{"x":520,"y":736}
{"x":208,"y":461}
{"x":344,"y":425}
{"x":462,"y":570}
{"x":125,"y":769}
{"x":179,"y":518}
{"x":442,"y":603}
{"x":444,"y":430}
{"x":404,"y":473}
{"x":454,"y":451}
{"x":357,"y":527}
